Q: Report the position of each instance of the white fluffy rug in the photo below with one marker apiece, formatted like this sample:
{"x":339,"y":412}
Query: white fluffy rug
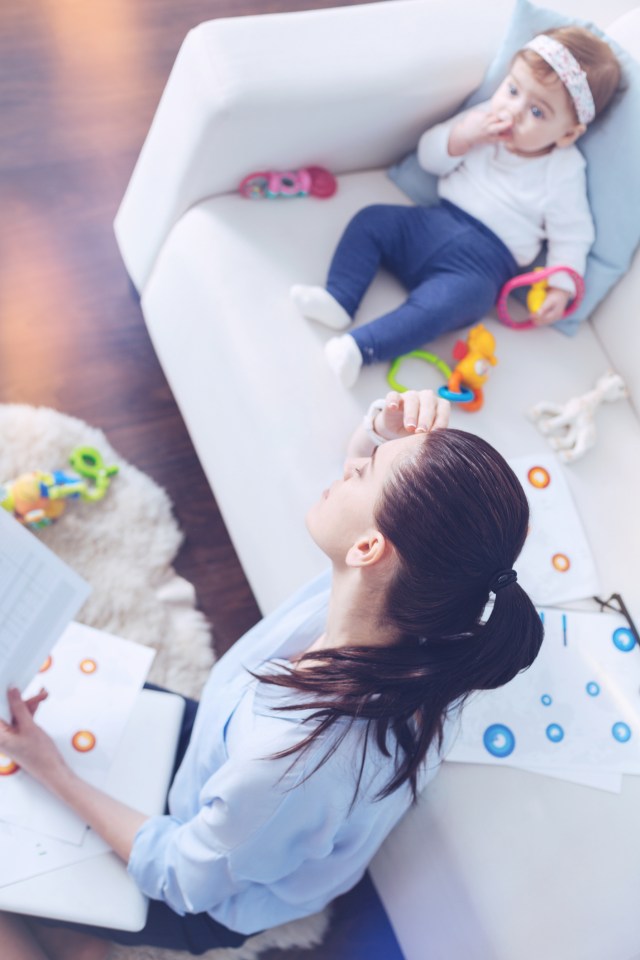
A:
{"x":124,"y":546}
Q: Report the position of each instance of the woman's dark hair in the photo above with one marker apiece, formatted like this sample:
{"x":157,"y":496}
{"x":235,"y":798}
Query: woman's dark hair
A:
{"x":456,"y":515}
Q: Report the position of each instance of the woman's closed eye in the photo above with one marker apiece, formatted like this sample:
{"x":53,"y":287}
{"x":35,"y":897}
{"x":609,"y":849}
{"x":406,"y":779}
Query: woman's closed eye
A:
{"x":359,"y":468}
{"x":352,"y":470}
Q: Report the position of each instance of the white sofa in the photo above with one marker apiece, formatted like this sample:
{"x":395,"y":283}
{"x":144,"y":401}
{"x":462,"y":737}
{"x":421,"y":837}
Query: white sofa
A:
{"x":492,"y":864}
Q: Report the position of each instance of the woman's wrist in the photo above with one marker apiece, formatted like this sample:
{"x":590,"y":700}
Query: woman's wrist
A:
{"x":58,"y":777}
{"x":378,"y":426}
{"x":373,"y":425}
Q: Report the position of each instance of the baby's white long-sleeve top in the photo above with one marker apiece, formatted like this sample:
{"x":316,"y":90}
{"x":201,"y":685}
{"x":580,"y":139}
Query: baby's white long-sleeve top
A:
{"x":523,"y":200}
{"x":248,"y":839}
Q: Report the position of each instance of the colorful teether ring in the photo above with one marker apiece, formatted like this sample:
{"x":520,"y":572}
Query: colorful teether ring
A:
{"x":464,"y":396}
{"x":525,"y":280}
{"x":432,"y":358}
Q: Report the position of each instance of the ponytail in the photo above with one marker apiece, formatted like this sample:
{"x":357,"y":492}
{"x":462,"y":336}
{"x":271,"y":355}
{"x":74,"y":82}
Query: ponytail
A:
{"x":457,"y":517}
{"x":513,"y":617}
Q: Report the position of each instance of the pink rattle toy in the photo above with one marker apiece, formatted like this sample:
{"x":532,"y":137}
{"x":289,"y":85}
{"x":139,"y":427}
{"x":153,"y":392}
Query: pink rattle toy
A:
{"x":538,"y":280}
{"x":308,"y":181}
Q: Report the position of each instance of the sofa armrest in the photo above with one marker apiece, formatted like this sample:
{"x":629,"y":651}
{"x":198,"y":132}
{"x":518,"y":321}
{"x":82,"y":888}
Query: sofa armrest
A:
{"x":615,"y":320}
{"x":348,"y":88}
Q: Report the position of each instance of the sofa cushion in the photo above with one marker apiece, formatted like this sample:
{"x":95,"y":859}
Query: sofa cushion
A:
{"x":611,"y":147}
{"x":267,"y":417}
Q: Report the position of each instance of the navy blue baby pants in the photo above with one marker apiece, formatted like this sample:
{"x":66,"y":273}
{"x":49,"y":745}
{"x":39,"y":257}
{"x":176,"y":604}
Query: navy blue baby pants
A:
{"x":453,"y":266}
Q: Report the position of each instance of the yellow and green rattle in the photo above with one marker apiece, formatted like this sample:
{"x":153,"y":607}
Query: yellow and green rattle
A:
{"x":37,"y":499}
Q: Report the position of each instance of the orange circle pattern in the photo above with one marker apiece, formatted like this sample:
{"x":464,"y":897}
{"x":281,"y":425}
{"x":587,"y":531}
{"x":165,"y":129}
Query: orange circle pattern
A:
{"x":83,"y":741}
{"x":88,"y":666}
{"x":560,"y":562}
{"x":539,"y":477}
{"x":7,"y":766}
{"x":45,"y":665}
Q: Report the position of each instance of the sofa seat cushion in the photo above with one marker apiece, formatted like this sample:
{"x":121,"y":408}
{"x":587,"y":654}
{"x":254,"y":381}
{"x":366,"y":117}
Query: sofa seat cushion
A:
{"x":270,"y":422}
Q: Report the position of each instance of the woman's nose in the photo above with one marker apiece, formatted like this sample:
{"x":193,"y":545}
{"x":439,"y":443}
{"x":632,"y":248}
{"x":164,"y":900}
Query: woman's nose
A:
{"x":350,"y":467}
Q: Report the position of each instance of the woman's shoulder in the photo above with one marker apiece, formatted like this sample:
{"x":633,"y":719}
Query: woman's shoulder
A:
{"x":291,"y":625}
{"x":262,"y":759}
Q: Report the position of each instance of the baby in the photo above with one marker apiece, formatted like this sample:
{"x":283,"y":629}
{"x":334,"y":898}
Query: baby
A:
{"x":510,"y":177}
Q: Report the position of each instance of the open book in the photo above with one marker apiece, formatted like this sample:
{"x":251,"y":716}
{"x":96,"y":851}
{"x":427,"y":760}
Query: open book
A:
{"x":39,"y":595}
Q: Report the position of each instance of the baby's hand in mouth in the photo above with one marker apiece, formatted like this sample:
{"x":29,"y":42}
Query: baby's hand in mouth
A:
{"x":500,"y":124}
{"x":504,"y":122}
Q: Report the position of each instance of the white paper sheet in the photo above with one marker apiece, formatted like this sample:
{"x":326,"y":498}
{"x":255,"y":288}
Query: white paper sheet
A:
{"x":583,"y":776}
{"x":93,"y":679}
{"x":576,"y":709}
{"x":556,"y":564}
{"x":25,"y":854}
{"x":39,"y":594}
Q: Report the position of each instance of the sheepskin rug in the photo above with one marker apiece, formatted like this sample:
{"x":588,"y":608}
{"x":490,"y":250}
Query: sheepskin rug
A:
{"x":124,"y":546}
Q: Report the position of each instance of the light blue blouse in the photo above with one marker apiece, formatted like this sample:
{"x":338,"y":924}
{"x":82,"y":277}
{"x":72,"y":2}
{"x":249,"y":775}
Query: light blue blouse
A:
{"x":246,"y":840}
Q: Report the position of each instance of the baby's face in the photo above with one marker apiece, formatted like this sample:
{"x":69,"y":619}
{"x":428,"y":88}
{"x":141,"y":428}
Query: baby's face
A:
{"x":540,"y":115}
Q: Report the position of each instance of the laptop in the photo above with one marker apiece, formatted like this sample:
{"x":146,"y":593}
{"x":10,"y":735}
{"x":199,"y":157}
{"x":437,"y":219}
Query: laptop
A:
{"x":99,"y":891}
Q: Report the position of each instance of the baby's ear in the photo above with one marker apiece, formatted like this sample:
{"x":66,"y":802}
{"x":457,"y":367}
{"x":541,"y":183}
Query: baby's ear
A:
{"x":570,"y":137}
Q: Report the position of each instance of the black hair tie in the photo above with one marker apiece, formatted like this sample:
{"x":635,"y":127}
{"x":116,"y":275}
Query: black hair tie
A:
{"x":502,"y":579}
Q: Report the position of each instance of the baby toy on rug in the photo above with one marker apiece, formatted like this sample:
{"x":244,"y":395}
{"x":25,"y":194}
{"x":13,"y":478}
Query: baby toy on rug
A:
{"x":37,"y":499}
{"x":571,"y":427}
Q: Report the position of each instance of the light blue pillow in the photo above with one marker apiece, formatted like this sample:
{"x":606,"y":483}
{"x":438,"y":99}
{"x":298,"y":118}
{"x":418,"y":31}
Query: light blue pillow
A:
{"x":611,"y":147}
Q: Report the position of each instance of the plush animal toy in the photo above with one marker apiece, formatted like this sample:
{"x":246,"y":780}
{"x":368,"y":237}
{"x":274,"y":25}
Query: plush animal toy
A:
{"x":571,"y":427}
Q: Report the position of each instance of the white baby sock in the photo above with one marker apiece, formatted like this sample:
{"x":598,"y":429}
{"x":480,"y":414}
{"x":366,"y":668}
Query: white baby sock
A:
{"x":316,"y":303}
{"x":344,"y":357}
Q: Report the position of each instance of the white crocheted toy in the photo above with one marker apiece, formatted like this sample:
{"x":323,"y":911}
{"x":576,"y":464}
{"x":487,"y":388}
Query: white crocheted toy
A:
{"x":571,"y":427}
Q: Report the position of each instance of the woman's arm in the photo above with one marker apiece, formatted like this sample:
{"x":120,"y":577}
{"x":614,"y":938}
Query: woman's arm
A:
{"x":34,"y":750}
{"x":403,"y":414}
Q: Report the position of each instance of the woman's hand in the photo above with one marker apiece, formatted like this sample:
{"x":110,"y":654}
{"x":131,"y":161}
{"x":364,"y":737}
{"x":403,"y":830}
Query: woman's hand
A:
{"x":26,"y":743}
{"x":404,"y":414}
{"x":415,"y":411}
{"x":34,"y":702}
{"x":34,"y":750}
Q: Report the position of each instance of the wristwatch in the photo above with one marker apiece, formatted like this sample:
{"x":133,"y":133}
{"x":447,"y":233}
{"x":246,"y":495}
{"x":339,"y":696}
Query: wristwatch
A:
{"x":369,"y":421}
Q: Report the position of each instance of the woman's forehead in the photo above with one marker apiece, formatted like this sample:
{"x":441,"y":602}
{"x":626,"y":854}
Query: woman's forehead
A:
{"x":393,"y":453}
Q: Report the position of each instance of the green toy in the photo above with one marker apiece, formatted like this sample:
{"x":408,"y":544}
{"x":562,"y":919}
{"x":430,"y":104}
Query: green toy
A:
{"x":433,"y":358}
{"x":37,"y":499}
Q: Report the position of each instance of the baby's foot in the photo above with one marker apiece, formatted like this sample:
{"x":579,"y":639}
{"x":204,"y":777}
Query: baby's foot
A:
{"x":316,"y":303}
{"x":344,"y":357}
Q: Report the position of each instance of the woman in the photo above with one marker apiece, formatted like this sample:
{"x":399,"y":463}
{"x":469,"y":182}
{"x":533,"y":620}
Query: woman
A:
{"x":317,"y":730}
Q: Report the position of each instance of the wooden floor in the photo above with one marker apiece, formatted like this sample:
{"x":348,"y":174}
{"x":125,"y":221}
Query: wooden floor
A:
{"x":79,"y":83}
